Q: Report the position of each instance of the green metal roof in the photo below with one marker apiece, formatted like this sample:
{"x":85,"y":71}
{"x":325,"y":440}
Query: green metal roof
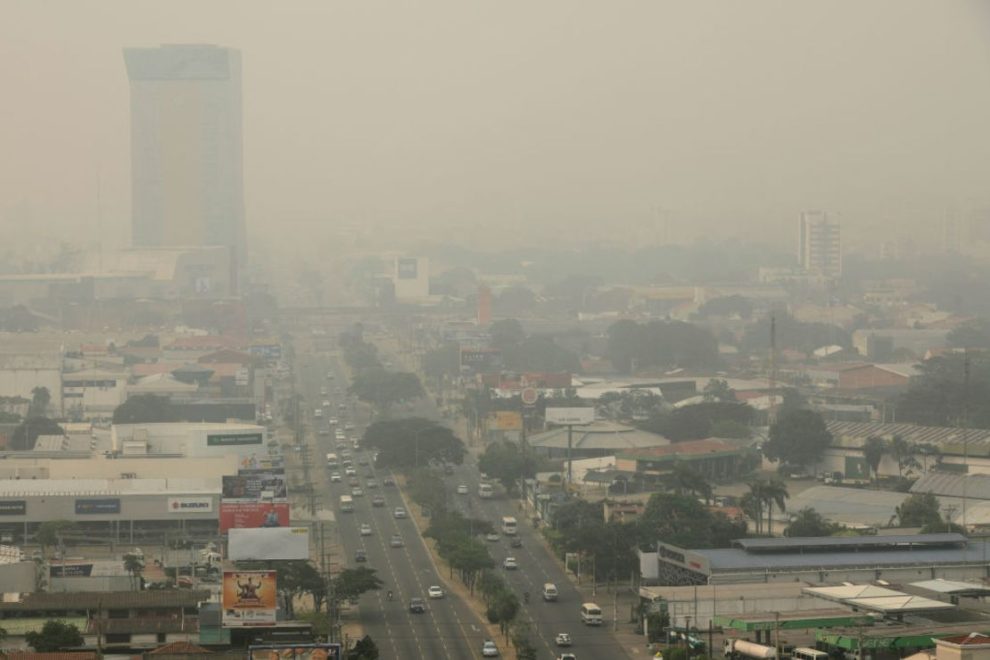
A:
{"x":794,"y":622}
{"x":909,"y":640}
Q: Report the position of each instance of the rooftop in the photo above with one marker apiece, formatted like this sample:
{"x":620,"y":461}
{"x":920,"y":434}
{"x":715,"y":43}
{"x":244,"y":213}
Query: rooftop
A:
{"x":687,"y":449}
{"x":842,"y":543}
{"x":86,"y":600}
{"x":598,"y":435}
{"x":948,"y":439}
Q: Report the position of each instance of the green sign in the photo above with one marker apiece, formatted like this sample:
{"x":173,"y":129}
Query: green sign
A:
{"x":226,"y":440}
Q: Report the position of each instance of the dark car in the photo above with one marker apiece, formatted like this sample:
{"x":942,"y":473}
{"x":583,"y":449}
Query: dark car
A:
{"x":448,"y":469}
{"x":516,"y":542}
{"x":388,"y":481}
{"x":360,"y":556}
{"x":417,"y":605}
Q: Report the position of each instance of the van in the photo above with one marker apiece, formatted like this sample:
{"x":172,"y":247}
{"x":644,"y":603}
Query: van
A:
{"x":549,"y":591}
{"x":591,"y":614}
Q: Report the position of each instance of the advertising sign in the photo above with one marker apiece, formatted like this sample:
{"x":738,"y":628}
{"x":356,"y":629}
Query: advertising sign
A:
{"x":70,"y":570}
{"x":245,"y":515}
{"x":249,"y":598}
{"x":101,"y":506}
{"x":296,"y":652}
{"x":268,"y":543}
{"x":529,"y":396}
{"x":13,"y":507}
{"x":407,"y":268}
{"x":481,"y":360}
{"x":255,"y":485}
{"x":266,"y":351}
{"x":671,"y":554}
{"x":505,"y":420}
{"x":190,"y":504}
{"x":570,"y":416}
{"x":233,"y":439}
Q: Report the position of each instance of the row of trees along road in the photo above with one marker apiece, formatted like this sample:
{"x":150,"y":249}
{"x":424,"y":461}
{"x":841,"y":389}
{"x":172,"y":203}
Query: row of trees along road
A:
{"x":371,"y":381}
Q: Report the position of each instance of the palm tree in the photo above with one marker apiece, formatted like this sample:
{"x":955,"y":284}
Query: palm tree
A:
{"x":873,"y":451}
{"x":134,"y":567}
{"x":754,"y":500}
{"x":687,"y":481}
{"x":774,"y":492}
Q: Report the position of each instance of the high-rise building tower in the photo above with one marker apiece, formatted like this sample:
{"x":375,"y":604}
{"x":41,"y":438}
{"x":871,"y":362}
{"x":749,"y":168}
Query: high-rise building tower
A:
{"x":187,"y":183}
{"x":819,"y":247}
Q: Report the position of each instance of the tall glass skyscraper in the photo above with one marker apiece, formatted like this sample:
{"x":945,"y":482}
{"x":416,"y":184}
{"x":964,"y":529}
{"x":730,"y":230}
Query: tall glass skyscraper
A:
{"x":187,"y":182}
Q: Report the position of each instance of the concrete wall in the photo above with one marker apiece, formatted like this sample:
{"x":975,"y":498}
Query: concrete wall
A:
{"x":18,"y":578}
{"x":99,"y":467}
{"x":136,"y":507}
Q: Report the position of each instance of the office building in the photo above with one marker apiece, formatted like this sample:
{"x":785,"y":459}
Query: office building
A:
{"x":819,"y":247}
{"x":186,"y":171}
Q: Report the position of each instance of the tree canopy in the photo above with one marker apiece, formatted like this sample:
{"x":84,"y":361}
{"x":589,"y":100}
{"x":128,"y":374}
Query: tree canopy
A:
{"x":808,"y":522}
{"x":919,"y":510}
{"x":54,"y":636}
{"x":683,"y":521}
{"x":797,"y":438}
{"x":507,"y":462}
{"x":383,"y":388}
{"x":412,"y":441}
{"x":793,"y":334}
{"x":974,"y":333}
{"x":697,"y":421}
{"x":633,"y":346}
{"x":145,"y":409}
{"x":26,"y":433}
{"x":941,"y":396}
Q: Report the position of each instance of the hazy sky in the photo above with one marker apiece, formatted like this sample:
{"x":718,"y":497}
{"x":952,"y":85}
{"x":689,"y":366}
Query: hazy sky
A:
{"x":730,"y":115}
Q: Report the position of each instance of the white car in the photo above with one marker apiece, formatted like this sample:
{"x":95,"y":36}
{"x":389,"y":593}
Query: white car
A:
{"x":335,"y":477}
{"x":365,"y":529}
{"x":350,"y":472}
{"x":566,"y":656}
{"x":434,"y":592}
{"x":510,"y":564}
{"x":399,"y":512}
{"x":563,"y":639}
{"x":492,"y":536}
{"x":489,"y":650}
{"x":357,"y":492}
{"x":462,"y":490}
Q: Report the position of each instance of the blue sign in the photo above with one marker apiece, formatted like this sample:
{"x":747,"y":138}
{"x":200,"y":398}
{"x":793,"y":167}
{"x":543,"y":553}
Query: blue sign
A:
{"x":103,"y":506}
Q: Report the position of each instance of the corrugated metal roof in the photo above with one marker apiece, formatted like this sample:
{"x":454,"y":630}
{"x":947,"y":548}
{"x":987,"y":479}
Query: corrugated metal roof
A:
{"x":898,"y":604}
{"x":954,"y":587}
{"x":598,"y":435}
{"x":734,"y":559}
{"x":973,"y":486}
{"x":846,"y":591}
{"x":948,"y":439}
{"x":798,"y":543}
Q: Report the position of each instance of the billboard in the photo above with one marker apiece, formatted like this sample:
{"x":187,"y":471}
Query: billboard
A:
{"x":268,"y":543}
{"x":233,"y":439}
{"x":256,"y":485}
{"x":190,"y":504}
{"x":570,"y":416}
{"x":13,"y":507}
{"x":100,"y":506}
{"x":505,"y":420}
{"x":249,"y":598}
{"x":481,"y":360}
{"x":295,"y":652}
{"x":252,"y":515}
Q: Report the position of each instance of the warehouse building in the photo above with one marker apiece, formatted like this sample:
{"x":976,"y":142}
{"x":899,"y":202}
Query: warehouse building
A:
{"x":196,"y":440}
{"x":821,"y":560}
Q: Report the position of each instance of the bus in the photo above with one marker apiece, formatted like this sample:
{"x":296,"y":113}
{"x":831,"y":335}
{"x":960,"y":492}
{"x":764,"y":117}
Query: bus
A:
{"x":332,"y":460}
{"x":509,"y":526}
{"x":486,"y":491}
{"x":591,"y":614}
{"x":346,"y":504}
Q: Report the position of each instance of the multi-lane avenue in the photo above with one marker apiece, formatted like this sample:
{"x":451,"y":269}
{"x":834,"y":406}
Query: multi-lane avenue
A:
{"x":448,"y":628}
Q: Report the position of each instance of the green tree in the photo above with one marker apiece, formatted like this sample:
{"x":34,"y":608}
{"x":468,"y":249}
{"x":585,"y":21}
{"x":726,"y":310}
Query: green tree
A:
{"x":684,"y":480}
{"x":40,"y":398}
{"x":698,"y":421}
{"x":507,"y":462}
{"x":873,"y":450}
{"x":506,"y":333}
{"x":503,"y":610}
{"x":384,"y":389}
{"x":752,"y":504}
{"x":683,"y":521}
{"x":540,"y":354}
{"x":469,"y":556}
{"x":26,"y":433}
{"x":134,"y":566}
{"x":50,"y":533}
{"x":350,"y":583}
{"x":774,"y":492}
{"x":919,"y":510}
{"x":54,"y":636}
{"x":971,"y":334}
{"x":145,"y":409}
{"x":903,"y":452}
{"x":808,"y":522}
{"x":411,"y":442}
{"x":719,"y":390}
{"x":443,"y":361}
{"x":364,"y":649}
{"x":797,"y":438}
{"x":426,"y":488}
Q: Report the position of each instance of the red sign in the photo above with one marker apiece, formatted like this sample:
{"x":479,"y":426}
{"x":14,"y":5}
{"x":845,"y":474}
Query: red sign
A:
{"x":529,"y":396}
{"x":251,"y":515}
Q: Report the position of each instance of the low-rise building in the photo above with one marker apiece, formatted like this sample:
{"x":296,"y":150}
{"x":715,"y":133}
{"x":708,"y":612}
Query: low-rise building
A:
{"x":715,"y":458}
{"x":600,"y":438}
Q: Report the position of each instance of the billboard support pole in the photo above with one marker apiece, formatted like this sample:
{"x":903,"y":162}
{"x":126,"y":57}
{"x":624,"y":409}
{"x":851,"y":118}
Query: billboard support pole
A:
{"x":570,"y":438}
